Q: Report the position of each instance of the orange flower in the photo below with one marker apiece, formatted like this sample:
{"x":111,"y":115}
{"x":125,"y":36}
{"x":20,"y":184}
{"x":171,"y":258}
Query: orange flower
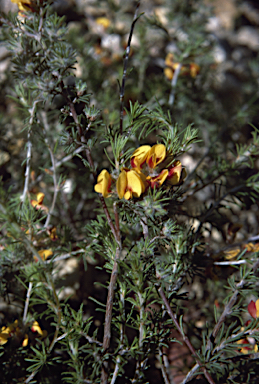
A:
{"x":157,"y":181}
{"x":103,"y":185}
{"x":130,"y":184}
{"x":38,"y":203}
{"x":26,"y":5}
{"x":156,"y":155}
{"x":44,"y":254}
{"x":170,"y":67}
{"x":253,"y":308}
{"x":246,"y":346}
{"x":139,"y":156}
{"x":176,"y":173}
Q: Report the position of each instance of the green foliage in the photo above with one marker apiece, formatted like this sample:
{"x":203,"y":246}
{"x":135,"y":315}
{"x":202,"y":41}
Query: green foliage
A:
{"x":62,"y":248}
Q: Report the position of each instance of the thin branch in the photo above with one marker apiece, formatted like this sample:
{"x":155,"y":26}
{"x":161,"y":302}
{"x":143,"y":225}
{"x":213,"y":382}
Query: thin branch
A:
{"x":125,"y":65}
{"x":227,"y":309}
{"x":26,"y":307}
{"x":185,"y":338}
{"x":118,"y":358}
{"x":190,"y":374}
{"x":173,"y":85}
{"x":163,"y":368}
{"x":29,"y":147}
{"x":54,"y":175}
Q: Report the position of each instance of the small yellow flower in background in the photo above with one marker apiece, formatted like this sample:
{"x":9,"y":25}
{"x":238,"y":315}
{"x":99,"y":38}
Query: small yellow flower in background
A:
{"x":130,"y":184}
{"x":26,"y":5}
{"x":36,"y":328}
{"x":170,"y":67}
{"x":38,"y":203}
{"x":44,"y":254}
{"x":7,"y":332}
{"x":194,"y":69}
{"x":246,"y":347}
{"x":14,"y":330}
{"x":103,"y":185}
{"x":103,"y":21}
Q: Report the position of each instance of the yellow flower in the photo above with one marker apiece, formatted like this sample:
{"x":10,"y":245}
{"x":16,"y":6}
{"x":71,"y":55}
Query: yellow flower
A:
{"x":175,"y":172}
{"x":139,"y":156}
{"x":156,"y":155}
{"x":27,"y":5}
{"x":25,"y":340}
{"x":194,"y":69}
{"x":103,"y":21}
{"x":24,"y":5}
{"x":170,"y":67}
{"x":7,"y":332}
{"x":246,"y":346}
{"x":38,"y":203}
{"x":44,"y":254}
{"x":157,"y":181}
{"x":36,"y":328}
{"x":130,"y":184}
{"x":103,"y":185}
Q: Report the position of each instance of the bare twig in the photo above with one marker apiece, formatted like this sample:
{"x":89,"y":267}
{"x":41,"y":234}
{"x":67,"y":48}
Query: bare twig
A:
{"x":110,"y":297}
{"x":26,"y":306}
{"x":29,"y":147}
{"x":118,"y":358}
{"x":163,"y":368}
{"x":126,"y":59}
{"x":54,"y":175}
{"x":190,"y":374}
{"x":173,"y":85}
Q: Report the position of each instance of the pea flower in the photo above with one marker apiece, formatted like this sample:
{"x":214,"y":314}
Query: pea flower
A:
{"x":253,"y":308}
{"x":149,"y":167}
{"x":139,"y":156}
{"x":103,"y":185}
{"x":14,"y":330}
{"x":26,"y":5}
{"x":38,"y":203}
{"x":44,"y":254}
{"x":156,"y":155}
{"x":157,"y":181}
{"x":170,"y":67}
{"x":130,"y":183}
{"x":247,"y":346}
{"x":176,"y":173}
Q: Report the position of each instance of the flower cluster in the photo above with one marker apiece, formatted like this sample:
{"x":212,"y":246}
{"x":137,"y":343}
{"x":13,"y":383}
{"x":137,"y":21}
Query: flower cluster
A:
{"x":26,"y":5}
{"x":150,"y":167}
{"x":14,"y":330}
{"x":248,"y":345}
{"x":170,"y":67}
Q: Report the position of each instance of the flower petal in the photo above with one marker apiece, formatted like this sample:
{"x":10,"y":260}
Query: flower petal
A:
{"x":103,"y":183}
{"x":174,"y":174}
{"x":135,"y":183}
{"x":156,"y":155}
{"x":156,"y":182}
{"x":121,"y":184}
{"x":252,"y":309}
{"x":139,"y":156}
